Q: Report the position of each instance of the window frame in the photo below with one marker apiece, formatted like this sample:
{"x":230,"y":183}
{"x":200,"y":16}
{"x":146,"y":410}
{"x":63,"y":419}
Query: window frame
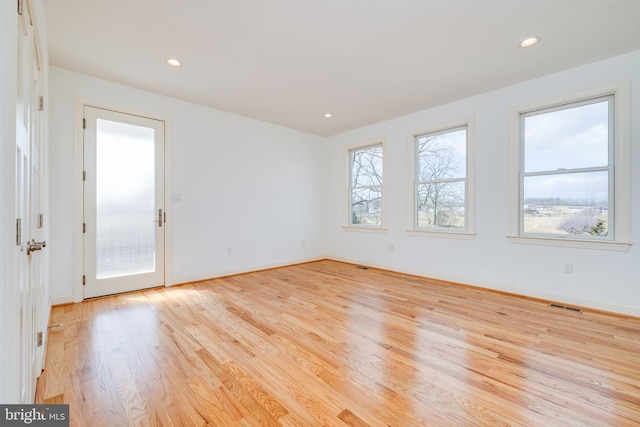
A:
{"x":617,"y":168}
{"x":349,"y":187}
{"x":468,"y":232}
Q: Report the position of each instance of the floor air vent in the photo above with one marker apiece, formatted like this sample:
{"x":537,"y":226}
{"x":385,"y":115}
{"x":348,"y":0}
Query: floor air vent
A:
{"x":565,"y":307}
{"x":362,"y":267}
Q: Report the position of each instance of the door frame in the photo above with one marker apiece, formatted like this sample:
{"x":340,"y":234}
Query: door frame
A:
{"x":78,"y":190}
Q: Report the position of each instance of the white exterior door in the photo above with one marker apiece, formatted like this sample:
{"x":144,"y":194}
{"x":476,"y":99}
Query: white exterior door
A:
{"x":124,"y":218}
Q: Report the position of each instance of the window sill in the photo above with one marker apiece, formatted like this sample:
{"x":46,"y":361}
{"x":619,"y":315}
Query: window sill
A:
{"x":567,"y":243}
{"x":442,"y":234}
{"x":364,"y":229}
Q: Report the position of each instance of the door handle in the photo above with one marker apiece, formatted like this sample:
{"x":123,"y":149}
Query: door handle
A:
{"x":35,"y":246}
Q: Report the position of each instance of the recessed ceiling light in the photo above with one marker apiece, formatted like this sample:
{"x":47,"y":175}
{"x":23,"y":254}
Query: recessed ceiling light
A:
{"x":174,"y":62}
{"x":328,"y":115}
{"x":529,"y":41}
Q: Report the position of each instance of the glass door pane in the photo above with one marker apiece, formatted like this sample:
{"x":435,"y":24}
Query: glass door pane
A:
{"x":126,"y":217}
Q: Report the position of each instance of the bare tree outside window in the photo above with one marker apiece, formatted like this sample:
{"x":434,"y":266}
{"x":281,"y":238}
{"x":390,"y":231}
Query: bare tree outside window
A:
{"x":365,"y":191}
{"x":441,"y":180}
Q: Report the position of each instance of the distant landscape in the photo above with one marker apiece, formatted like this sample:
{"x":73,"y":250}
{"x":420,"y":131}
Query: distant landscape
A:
{"x":566,"y":217}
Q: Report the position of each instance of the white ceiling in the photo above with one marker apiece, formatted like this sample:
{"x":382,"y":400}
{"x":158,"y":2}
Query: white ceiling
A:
{"x":290,"y":61}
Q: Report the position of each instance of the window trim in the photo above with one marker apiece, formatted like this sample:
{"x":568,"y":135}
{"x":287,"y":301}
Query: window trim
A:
{"x":468,"y":232}
{"x":379,"y":142}
{"x":619,"y":162}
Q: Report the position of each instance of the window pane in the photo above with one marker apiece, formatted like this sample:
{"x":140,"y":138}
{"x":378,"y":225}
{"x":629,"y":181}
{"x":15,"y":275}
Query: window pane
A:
{"x":441,"y":205}
{"x":125,"y":199}
{"x":442,"y":156}
{"x":572,"y":138}
{"x":366,"y":167}
{"x":366,"y":206}
{"x":567,"y":204}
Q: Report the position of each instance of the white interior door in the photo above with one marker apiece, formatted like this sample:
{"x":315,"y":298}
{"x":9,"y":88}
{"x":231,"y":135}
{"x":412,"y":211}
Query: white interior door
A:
{"x":124,"y":214}
{"x":28,"y":304}
{"x":38,"y":233}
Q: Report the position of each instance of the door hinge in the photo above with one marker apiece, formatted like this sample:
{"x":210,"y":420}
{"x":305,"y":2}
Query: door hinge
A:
{"x":84,"y":280}
{"x":84,"y":123}
{"x":41,"y":103}
{"x":40,"y":220}
{"x":84,"y":227}
{"x":84,"y":175}
{"x":39,"y":339}
{"x":18,"y":231}
{"x":20,"y":6}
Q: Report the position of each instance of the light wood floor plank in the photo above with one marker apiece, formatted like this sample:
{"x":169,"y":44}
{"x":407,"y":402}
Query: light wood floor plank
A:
{"x":330,"y":344}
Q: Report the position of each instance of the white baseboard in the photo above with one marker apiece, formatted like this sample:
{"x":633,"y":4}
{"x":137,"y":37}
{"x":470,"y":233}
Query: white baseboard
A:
{"x":66,"y":299}
{"x":503,"y":287}
{"x":206,"y":276}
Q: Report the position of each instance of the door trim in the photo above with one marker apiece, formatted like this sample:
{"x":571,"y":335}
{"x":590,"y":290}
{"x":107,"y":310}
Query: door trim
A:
{"x":78,"y":194}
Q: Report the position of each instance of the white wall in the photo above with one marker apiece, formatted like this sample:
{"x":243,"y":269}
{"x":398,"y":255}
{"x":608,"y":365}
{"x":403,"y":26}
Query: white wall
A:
{"x":601,"y":279}
{"x":237,"y":183}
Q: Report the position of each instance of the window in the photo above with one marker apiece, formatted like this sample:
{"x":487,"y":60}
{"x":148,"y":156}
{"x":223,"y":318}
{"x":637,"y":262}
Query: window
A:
{"x":440,"y":181}
{"x":567,"y":168}
{"x":571,"y":176}
{"x":365,"y":186}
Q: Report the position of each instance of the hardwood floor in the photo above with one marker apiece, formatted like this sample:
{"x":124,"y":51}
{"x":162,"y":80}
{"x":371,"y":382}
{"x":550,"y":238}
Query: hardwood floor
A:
{"x":330,"y":344}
